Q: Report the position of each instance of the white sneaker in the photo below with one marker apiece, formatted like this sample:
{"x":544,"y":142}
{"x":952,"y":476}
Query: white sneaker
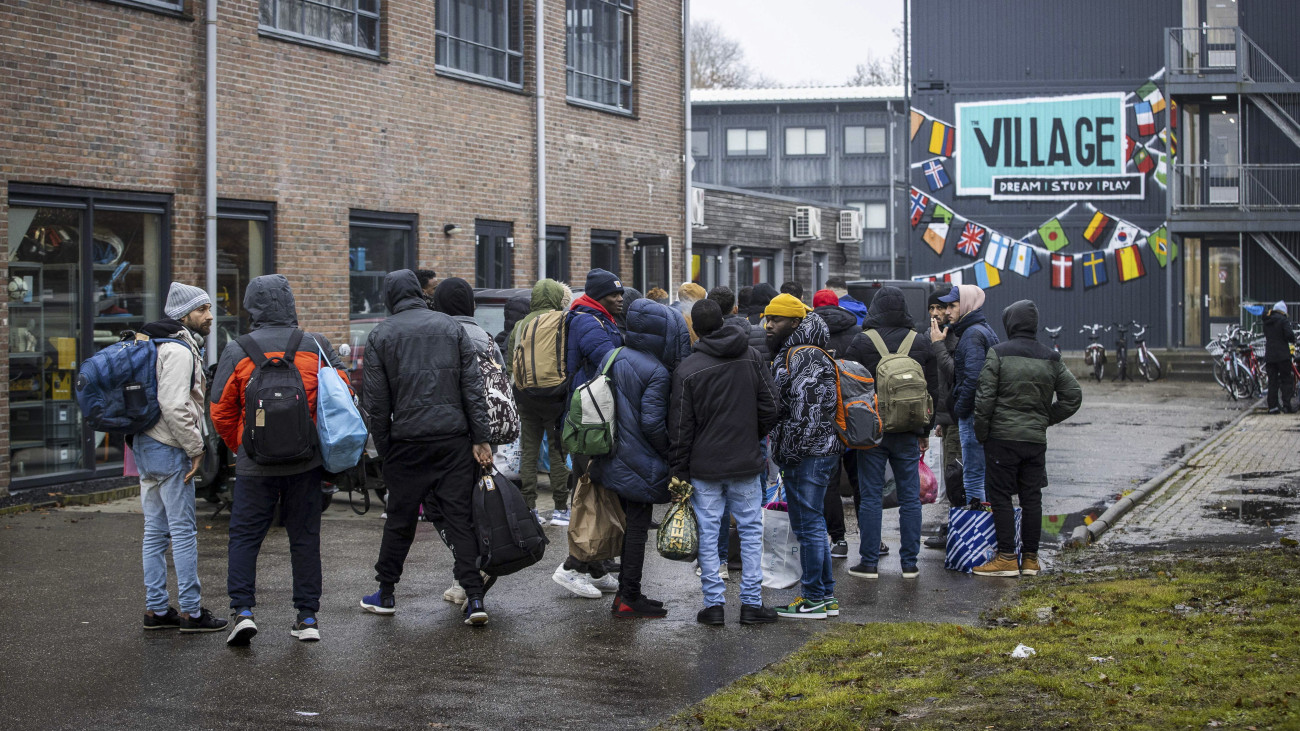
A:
{"x":559,"y":517}
{"x":608,"y":583}
{"x":455,"y":594}
{"x":576,"y":582}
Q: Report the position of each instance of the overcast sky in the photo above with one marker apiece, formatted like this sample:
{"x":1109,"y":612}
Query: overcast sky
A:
{"x":799,"y":41}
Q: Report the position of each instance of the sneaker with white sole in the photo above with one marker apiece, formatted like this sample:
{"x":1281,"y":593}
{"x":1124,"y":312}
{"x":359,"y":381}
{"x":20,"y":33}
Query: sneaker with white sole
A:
{"x":803,"y":609}
{"x":576,"y":582}
{"x":243,"y":630}
{"x":559,"y":517}
{"x":608,"y":584}
{"x":455,"y":594}
{"x":379,"y":603}
{"x":306,"y":628}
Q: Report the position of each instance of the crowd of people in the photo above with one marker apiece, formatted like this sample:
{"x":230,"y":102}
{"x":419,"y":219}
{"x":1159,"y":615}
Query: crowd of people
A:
{"x":725,"y":392}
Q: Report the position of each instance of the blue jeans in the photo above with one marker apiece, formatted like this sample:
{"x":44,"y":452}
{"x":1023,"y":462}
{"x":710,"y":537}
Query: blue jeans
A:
{"x":972,"y":459}
{"x":168,"y":505}
{"x":805,"y":489}
{"x":712,"y":500}
{"x":903,"y":453}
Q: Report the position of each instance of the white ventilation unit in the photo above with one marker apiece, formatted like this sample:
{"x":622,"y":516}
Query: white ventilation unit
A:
{"x":850,"y":228}
{"x":697,"y":207}
{"x":806,"y":225}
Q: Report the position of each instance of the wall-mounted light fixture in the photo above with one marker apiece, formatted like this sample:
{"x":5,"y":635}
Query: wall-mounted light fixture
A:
{"x":631,"y":242}
{"x":451,"y":229}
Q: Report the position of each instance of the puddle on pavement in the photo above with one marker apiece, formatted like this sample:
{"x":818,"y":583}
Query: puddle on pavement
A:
{"x":1264,"y":513}
{"x":1260,"y":475}
{"x":1270,"y":504}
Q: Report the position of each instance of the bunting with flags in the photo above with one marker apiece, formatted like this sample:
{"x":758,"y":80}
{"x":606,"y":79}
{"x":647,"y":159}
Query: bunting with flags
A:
{"x":936,"y":175}
{"x":1062,"y":271}
{"x":1128,"y":263}
{"x":1160,"y":245}
{"x":972,"y":237}
{"x":999,"y":248}
{"x":917,"y":120}
{"x":1093,"y":266}
{"x":1098,"y":227}
{"x":1125,"y":234}
{"x":1053,"y":235}
{"x":920,"y":202}
{"x":1023,"y":260}
{"x":1146,"y":119}
{"x":936,"y":235}
{"x":942,"y":138}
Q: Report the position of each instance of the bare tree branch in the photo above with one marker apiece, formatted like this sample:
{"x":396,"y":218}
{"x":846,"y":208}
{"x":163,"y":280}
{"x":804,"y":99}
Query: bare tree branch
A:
{"x":718,"y":61}
{"x":879,"y":71}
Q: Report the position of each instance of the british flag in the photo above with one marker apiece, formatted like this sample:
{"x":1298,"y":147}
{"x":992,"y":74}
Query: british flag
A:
{"x":971,"y":238}
{"x":920,"y":202}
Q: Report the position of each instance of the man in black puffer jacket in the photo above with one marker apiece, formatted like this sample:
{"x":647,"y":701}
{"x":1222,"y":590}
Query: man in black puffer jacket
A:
{"x":731,"y":312}
{"x":1278,"y":339}
{"x":427,"y":413}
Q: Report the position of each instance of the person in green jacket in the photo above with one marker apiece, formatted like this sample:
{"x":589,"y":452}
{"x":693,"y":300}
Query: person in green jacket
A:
{"x":1023,"y":389}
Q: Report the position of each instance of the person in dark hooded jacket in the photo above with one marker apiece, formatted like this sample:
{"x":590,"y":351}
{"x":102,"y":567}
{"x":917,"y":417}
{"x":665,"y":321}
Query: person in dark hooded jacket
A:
{"x":974,"y":338}
{"x":843,"y":327}
{"x":630,"y":295}
{"x":1278,"y":340}
{"x":1023,"y":389}
{"x":259,"y":488}
{"x":759,"y":297}
{"x":637,"y":468}
{"x":515,"y":309}
{"x":427,"y":413}
{"x":454,"y":297}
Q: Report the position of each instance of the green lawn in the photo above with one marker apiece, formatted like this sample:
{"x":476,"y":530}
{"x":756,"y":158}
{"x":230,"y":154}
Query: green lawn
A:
{"x":1186,"y":641}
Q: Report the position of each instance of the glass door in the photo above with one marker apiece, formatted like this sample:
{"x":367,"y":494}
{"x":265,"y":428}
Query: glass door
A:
{"x":1193,"y":292}
{"x":650,"y":264}
{"x":1222,"y":278}
{"x":494,"y":245}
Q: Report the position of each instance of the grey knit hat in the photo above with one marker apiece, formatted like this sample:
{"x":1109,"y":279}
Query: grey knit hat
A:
{"x":182,"y":299}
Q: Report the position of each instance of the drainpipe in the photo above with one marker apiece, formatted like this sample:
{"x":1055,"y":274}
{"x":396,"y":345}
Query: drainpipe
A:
{"x":688,"y":158}
{"x":210,"y":162}
{"x":893,"y":185}
{"x":538,"y":32}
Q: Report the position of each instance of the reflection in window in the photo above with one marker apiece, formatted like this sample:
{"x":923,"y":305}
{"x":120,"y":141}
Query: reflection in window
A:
{"x":350,"y":24}
{"x":599,"y":52}
{"x":378,"y":243}
{"x":243,"y":252}
{"x":481,"y":38}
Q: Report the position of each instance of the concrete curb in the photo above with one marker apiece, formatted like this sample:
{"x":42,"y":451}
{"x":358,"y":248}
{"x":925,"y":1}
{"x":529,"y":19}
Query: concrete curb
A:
{"x":1086,"y":534}
{"x":63,"y":501}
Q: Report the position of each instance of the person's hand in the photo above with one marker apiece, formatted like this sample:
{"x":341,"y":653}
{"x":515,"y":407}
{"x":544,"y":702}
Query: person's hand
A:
{"x":194,"y":469}
{"x":935,"y":334}
{"x":938,"y":431}
{"x":483,"y":454}
{"x":923,"y":443}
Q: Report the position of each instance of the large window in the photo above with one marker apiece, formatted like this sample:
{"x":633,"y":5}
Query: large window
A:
{"x":604,"y":252}
{"x":699,"y":143}
{"x":378,"y":243}
{"x":84,"y":267}
{"x":864,"y":140}
{"x":245,"y":233}
{"x":174,"y":6}
{"x":874,"y":215}
{"x":557,"y":253}
{"x":805,"y":141}
{"x":650,"y":263}
{"x":599,"y":53}
{"x":494,"y":244}
{"x":746,"y":141}
{"x":481,"y":38}
{"x":348,"y":24}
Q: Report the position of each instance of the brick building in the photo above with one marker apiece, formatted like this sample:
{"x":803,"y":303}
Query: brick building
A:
{"x":355,"y":137}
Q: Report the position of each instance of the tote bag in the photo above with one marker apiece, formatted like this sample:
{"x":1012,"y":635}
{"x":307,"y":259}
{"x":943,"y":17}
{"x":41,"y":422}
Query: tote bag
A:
{"x":781,"y":558}
{"x":338,"y":421}
{"x":596,"y":523}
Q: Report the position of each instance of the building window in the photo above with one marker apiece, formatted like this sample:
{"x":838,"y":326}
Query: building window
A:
{"x":245,"y":233}
{"x":604,"y":251}
{"x":84,"y":267}
{"x":494,"y":244}
{"x":378,"y":243}
{"x":746,"y":142}
{"x":755,"y":266}
{"x":599,"y":52}
{"x":805,"y":141}
{"x":699,"y":143}
{"x":864,"y":141}
{"x":348,"y":24}
{"x":482,"y":38}
{"x":174,"y":6}
{"x":875,"y":216}
{"x":650,"y":262}
{"x":557,"y":253}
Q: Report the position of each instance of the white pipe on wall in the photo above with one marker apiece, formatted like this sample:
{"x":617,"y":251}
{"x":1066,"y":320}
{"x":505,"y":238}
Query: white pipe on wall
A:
{"x":538,"y":30}
{"x":210,"y":163}
{"x":688,"y":158}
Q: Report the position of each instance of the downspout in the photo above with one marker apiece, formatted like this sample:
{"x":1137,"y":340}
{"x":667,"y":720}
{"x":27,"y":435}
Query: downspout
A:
{"x":540,"y":65}
{"x":210,"y":162}
{"x":893,"y":185}
{"x":688,"y":158}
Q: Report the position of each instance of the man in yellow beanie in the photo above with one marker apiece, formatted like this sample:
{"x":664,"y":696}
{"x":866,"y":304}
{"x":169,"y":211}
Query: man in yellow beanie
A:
{"x":804,"y":443}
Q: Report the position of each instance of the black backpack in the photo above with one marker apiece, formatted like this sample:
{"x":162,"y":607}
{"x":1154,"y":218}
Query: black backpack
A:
{"x":509,"y":537}
{"x":278,"y":428}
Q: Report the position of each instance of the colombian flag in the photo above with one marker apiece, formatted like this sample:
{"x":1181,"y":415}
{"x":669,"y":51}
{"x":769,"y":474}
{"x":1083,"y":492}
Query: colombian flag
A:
{"x":1128,"y":260}
{"x":942,"y":139}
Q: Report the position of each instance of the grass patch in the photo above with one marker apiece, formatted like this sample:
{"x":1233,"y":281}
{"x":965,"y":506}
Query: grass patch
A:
{"x":1186,"y":641}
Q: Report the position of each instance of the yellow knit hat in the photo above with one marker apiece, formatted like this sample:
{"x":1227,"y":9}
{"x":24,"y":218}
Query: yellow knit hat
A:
{"x":786,"y":305}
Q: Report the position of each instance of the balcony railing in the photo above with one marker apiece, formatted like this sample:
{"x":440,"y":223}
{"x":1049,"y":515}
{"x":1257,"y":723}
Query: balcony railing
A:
{"x":1221,"y":54}
{"x":1202,"y":186}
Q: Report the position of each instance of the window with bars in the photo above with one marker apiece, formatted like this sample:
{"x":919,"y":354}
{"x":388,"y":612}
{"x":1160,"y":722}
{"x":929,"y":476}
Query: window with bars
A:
{"x":347,"y":24}
{"x":481,"y":38}
{"x":599,"y":52}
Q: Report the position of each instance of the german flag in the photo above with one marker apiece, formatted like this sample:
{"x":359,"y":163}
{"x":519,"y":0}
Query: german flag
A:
{"x":1098,"y":227}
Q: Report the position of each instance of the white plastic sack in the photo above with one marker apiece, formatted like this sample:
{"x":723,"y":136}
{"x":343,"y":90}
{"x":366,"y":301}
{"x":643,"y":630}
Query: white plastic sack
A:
{"x":781,"y":560}
{"x":508,"y":458}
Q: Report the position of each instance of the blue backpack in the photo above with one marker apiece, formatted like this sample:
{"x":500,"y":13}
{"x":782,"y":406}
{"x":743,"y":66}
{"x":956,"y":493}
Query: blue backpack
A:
{"x":117,"y":388}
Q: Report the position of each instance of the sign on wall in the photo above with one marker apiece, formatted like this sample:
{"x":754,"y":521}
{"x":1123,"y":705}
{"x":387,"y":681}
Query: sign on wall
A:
{"x":1053,"y":148}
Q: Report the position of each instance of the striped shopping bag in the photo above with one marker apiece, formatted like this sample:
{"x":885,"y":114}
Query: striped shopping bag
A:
{"x":972,"y":540}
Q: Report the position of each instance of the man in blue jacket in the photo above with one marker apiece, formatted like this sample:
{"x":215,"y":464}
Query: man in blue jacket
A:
{"x":974,"y":338}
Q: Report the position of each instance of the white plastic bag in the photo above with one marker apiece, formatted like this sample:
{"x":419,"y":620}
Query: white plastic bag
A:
{"x":781,"y":560}
{"x":507,"y":459}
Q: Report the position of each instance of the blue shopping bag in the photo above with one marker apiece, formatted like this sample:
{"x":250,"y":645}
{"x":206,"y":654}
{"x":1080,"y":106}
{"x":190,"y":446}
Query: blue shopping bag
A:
{"x":972,"y":540}
{"x":338,"y":421}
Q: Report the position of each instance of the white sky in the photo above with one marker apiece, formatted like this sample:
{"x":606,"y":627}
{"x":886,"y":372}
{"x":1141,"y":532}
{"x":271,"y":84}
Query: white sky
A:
{"x":800,"y":41}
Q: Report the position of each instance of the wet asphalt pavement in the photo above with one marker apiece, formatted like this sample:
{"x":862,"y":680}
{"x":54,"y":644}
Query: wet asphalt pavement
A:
{"x":74,"y":655}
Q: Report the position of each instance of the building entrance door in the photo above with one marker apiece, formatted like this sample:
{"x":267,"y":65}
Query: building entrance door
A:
{"x":1221,"y":301}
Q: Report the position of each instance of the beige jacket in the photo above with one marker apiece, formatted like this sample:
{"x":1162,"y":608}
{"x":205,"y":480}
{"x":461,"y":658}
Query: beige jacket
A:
{"x":181,"y":388}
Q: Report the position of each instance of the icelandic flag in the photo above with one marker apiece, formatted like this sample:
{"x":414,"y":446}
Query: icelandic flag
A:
{"x":942,"y":139}
{"x":999,"y":248}
{"x":972,"y":236}
{"x":1062,"y":271}
{"x":920,"y":202}
{"x":1093,"y":264}
{"x":936,"y":175}
{"x":1024,"y":261}
{"x":986,"y":276}
{"x":1146,"y":119}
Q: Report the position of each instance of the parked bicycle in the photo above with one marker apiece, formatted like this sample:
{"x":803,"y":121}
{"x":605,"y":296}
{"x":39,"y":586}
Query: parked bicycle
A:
{"x":1230,"y":370}
{"x":1095,"y":354}
{"x":1147,"y":365}
{"x":1121,"y":351}
{"x":1055,"y":332}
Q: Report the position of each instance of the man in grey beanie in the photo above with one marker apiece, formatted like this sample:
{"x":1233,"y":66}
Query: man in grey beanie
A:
{"x":167,"y":456}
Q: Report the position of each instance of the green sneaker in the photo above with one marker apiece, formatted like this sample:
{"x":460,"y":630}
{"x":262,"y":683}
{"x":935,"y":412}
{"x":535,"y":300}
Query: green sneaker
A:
{"x":832,"y":606}
{"x":803,"y":609}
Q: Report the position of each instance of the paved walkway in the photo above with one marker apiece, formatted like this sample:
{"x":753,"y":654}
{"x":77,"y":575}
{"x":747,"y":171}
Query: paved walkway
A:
{"x":1242,"y":488}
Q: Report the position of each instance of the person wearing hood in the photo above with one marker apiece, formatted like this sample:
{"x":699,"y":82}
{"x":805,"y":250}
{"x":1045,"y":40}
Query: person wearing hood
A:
{"x":294,"y":486}
{"x":843,"y":325}
{"x":974,"y":338}
{"x":1023,"y":389}
{"x":592,"y":336}
{"x":454,"y":297}
{"x":637,"y":467}
{"x":759,"y":297}
{"x":733,"y":311}
{"x":943,"y":341}
{"x":890,"y":330}
{"x":539,"y":416}
{"x":804,"y":443}
{"x":630,"y":295}
{"x":427,"y":412}
{"x":723,"y":404}
{"x":167,"y":456}
{"x":1279,"y":338}
{"x":515,"y":309}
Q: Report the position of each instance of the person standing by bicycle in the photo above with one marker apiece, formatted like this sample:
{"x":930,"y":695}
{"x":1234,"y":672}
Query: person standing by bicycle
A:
{"x":974,"y":338}
{"x":1278,"y":340}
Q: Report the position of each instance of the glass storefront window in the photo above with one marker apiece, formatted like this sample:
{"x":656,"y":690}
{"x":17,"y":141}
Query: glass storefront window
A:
{"x":379,"y":243}
{"x":244,"y":251}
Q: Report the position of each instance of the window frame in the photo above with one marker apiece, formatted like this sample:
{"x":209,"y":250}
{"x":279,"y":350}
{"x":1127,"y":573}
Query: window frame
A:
{"x":231,"y":209}
{"x":707,"y":144}
{"x":604,"y":237}
{"x":866,"y":147}
{"x":274,"y":31}
{"x":749,"y":131}
{"x":625,"y":82}
{"x":514,"y":19}
{"x":504,"y":279}
{"x":562,"y":236}
{"x":174,"y":8}
{"x":383,"y":220}
{"x":786,"y":141}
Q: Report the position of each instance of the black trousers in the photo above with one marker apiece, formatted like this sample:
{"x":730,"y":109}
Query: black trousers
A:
{"x":833,"y":508}
{"x":251,"y":511}
{"x":443,"y":470}
{"x":634,"y":540}
{"x":1279,"y":376}
{"x":1016,"y":468}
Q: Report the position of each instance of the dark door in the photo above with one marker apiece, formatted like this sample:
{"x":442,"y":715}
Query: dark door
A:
{"x":650,"y":263}
{"x":494,"y":245}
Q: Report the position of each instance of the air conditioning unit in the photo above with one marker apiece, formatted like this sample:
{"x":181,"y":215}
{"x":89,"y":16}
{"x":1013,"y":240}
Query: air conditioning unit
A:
{"x":850,"y":228}
{"x":697,"y":207}
{"x":806,"y":225}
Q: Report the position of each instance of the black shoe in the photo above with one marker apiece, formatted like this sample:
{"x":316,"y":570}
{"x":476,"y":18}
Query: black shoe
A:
{"x":306,"y":628}
{"x":475,"y":614}
{"x":244,"y":628}
{"x":637,"y":608}
{"x":940,"y":542}
{"x":652,"y":602}
{"x":205,"y":622}
{"x":171,"y":619}
{"x":756,"y":614}
{"x":884,"y":550}
{"x":839,"y":549}
{"x":711,"y":615}
{"x":866,"y":570}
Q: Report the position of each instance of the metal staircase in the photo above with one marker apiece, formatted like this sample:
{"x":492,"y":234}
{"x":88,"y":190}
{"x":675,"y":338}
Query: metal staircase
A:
{"x":1279,"y":253}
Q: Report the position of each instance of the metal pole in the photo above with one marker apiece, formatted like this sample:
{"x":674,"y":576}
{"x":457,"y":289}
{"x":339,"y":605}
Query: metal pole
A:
{"x":540,"y":66}
{"x":893,"y":185}
{"x":689,"y":158}
{"x":210,"y":162}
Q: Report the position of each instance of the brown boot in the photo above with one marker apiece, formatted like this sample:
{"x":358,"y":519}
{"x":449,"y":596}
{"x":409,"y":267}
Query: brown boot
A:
{"x":1029,"y":564}
{"x":1003,"y":564}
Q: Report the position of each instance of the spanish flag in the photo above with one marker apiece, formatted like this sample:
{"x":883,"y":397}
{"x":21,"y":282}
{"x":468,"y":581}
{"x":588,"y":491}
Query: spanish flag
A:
{"x":1128,"y":259}
{"x":942,"y":139}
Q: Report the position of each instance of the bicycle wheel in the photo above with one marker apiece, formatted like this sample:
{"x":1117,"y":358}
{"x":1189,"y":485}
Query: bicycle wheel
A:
{"x":1243,"y":384}
{"x":1220,"y":373}
{"x":1153,"y":371}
